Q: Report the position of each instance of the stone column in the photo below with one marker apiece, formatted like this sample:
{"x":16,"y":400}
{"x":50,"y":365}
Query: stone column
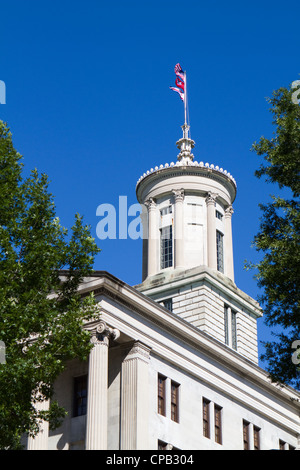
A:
{"x":229,"y":269}
{"x":211,"y":231}
{"x":152,"y":237}
{"x":96,"y":428}
{"x":178,"y":229}
{"x":40,"y":441}
{"x":135,"y":398}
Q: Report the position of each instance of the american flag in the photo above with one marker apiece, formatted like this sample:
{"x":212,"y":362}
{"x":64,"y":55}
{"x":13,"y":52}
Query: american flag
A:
{"x":179,"y":81}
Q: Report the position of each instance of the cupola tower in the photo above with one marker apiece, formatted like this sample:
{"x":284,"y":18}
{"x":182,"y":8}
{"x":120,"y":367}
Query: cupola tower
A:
{"x":188,"y":248}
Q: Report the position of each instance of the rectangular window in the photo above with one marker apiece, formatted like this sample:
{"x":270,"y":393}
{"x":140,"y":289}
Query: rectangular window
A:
{"x":80,"y":396}
{"x":220,"y":261}
{"x":166,"y":210}
{"x":161,"y":392}
{"x":233,"y":330}
{"x":219,"y":215}
{"x":246,"y":435}
{"x":205,"y":418}
{"x":256,"y":437}
{"x":218,"y":424}
{"x":230,"y":326}
{"x":168,"y":303}
{"x":174,"y":402}
{"x":166,"y":247}
{"x":226,"y":324}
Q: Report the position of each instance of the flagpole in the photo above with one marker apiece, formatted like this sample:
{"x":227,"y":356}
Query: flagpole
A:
{"x":185,"y":108}
{"x":185,"y":95}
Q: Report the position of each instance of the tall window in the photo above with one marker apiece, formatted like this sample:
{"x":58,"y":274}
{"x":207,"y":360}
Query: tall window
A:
{"x":166,"y":247}
{"x":174,"y":402}
{"x":205,"y":418}
{"x":256,"y":437}
{"x":233,"y":330}
{"x":161,"y":395}
{"x":226,"y":324}
{"x":230,"y":327}
{"x":218,"y":424}
{"x":246,"y":435}
{"x":220,"y":260}
{"x":80,"y":396}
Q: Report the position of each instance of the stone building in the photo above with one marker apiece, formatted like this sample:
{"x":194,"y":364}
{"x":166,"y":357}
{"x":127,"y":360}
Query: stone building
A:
{"x":175,"y":360}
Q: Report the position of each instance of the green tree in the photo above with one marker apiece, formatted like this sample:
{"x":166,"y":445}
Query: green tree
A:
{"x":41,"y":314}
{"x":278,"y":239}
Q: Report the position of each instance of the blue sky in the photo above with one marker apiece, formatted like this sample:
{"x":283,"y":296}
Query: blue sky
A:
{"x":88,"y":100}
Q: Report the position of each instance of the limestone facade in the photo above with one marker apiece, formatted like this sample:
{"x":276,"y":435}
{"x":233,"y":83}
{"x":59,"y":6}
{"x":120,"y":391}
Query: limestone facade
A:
{"x":138,"y":341}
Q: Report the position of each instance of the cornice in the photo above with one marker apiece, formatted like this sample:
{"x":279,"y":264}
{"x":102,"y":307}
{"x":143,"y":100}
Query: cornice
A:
{"x":111,"y":287}
{"x":181,"y":277}
{"x":192,"y":169}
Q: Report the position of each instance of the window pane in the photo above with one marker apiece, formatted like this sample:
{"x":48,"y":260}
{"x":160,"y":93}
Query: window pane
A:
{"x":168,"y":303}
{"x":218,"y":424}
{"x":220,"y":263}
{"x":80,"y":396}
{"x":226,"y":325}
{"x":205,"y":417}
{"x":246,"y":435}
{"x":256,"y":432}
{"x":166,"y":247}
{"x":233,"y":330}
{"x":174,"y":402}
{"x":161,"y":395}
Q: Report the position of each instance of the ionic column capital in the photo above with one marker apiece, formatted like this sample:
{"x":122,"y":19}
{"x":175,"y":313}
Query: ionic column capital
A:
{"x":103,"y":333}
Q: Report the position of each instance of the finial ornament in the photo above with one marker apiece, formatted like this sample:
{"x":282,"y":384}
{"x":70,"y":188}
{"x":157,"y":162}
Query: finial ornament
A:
{"x":185,"y":146}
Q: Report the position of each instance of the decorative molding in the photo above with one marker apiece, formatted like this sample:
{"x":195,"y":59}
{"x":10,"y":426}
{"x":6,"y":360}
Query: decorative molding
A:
{"x":137,"y":350}
{"x":101,"y":334}
{"x":229,"y":211}
{"x":192,"y":168}
{"x":150,"y":204}
{"x":178,"y":194}
{"x":211,"y":198}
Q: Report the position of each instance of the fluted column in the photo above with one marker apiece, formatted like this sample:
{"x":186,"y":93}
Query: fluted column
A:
{"x":96,"y":428}
{"x":40,"y":441}
{"x":211,"y":230}
{"x":135,"y":398}
{"x":178,"y":229}
{"x":152,"y":237}
{"x":229,"y":268}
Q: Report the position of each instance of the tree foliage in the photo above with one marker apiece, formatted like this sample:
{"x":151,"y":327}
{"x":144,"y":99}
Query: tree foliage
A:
{"x":41,"y":315}
{"x":278,"y":239}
